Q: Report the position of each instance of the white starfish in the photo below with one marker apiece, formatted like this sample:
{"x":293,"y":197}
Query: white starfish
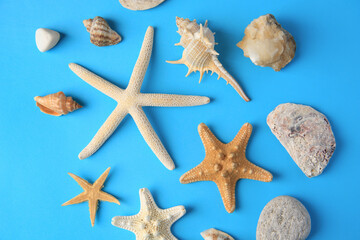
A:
{"x":151,"y":223}
{"x":131,"y":101}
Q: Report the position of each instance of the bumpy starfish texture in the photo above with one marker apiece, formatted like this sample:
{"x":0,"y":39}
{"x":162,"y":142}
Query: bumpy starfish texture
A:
{"x":151,"y":223}
{"x":225,"y":164}
{"x":131,"y":101}
{"x":92,"y":193}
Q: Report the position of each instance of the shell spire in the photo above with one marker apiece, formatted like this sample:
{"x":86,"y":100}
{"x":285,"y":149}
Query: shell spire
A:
{"x":100,"y":32}
{"x":199,"y":54}
{"x":56,"y":104}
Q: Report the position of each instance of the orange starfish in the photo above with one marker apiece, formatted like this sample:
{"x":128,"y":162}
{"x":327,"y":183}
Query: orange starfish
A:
{"x":225,"y":164}
{"x":92,"y":193}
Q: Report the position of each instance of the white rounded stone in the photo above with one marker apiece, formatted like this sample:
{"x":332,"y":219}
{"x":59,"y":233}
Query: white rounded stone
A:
{"x":46,"y":39}
{"x":283,"y":218}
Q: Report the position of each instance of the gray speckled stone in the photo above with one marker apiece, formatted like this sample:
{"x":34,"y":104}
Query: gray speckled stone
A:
{"x":283,"y":218}
{"x":306,"y":134}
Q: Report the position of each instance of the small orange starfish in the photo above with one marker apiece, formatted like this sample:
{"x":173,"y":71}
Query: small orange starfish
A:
{"x":92,"y":193}
{"x":225,"y":164}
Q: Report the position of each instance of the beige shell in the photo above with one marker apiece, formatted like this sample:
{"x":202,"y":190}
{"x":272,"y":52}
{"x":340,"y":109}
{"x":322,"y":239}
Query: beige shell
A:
{"x":140,"y":4}
{"x":199,"y":54}
{"x":100,"y":32}
{"x":56,"y":104}
{"x":267,"y":44}
{"x":214,"y":234}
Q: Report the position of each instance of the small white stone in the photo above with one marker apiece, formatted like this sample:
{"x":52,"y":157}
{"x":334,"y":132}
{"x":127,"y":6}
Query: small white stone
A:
{"x":46,"y":39}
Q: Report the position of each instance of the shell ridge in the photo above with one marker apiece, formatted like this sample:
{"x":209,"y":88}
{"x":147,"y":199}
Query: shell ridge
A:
{"x":101,"y":33}
{"x":56,"y":104}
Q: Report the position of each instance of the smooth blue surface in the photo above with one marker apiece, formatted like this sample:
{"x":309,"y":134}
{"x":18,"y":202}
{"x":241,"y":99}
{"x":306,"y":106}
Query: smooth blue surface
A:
{"x":38,"y":150}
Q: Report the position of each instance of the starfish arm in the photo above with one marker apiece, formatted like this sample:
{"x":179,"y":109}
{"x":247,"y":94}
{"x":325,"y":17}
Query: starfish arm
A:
{"x":130,"y":223}
{"x":168,"y":235}
{"x":99,"y":183}
{"x":147,"y":202}
{"x":82,"y":182}
{"x":82,"y":197}
{"x":104,"y":132}
{"x":169,"y":217}
{"x":208,"y":138}
{"x":242,"y":138}
{"x":174,"y":213}
{"x":171,"y":100}
{"x":93,"y":208}
{"x":258,"y":173}
{"x":196,"y":174}
{"x":227,"y":192}
{"x":103,"y":196}
{"x":151,"y":138}
{"x":142,"y":62}
{"x":97,"y":82}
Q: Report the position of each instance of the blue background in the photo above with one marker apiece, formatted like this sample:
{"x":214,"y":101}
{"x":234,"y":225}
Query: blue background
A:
{"x":38,"y":150}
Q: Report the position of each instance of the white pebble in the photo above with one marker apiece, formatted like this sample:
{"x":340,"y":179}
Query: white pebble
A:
{"x":46,"y":39}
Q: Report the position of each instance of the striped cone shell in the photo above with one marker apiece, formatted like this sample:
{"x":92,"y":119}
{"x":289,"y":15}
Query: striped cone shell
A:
{"x":100,"y":32}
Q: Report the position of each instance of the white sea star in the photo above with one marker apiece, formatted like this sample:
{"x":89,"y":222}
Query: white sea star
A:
{"x":131,"y":101}
{"x":151,"y":223}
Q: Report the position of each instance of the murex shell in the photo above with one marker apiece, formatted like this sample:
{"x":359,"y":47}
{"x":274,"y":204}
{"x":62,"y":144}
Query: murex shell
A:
{"x":56,"y":104}
{"x":306,"y":134}
{"x":214,"y":234}
{"x":199,"y":55}
{"x":140,"y":4}
{"x":267,"y":44}
{"x":100,"y":32}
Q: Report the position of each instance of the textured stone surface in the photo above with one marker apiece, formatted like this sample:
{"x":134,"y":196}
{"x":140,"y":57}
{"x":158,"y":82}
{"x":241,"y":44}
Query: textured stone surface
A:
{"x":306,"y":134}
{"x":283,"y":218}
{"x":267,"y":44}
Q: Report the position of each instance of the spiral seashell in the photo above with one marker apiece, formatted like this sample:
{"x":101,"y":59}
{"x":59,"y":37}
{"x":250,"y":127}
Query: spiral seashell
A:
{"x":214,"y":234}
{"x":100,"y":32}
{"x":56,"y":104}
{"x":140,"y":4}
{"x":199,"y":55}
